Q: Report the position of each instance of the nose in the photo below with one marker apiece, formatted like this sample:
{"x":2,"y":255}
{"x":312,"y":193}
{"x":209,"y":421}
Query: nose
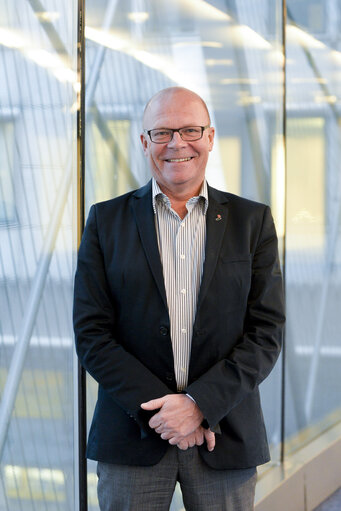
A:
{"x":176,"y":140}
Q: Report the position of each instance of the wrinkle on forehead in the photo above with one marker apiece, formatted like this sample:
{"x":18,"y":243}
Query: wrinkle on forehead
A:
{"x":171,"y":93}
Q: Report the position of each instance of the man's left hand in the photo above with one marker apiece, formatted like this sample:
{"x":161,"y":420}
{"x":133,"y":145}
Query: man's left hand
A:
{"x":178,"y":416}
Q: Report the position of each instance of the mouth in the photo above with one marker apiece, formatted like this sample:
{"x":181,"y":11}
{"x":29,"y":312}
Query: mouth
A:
{"x":179,"y":160}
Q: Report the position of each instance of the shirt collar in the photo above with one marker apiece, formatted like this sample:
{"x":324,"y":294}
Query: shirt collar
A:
{"x":157,"y":193}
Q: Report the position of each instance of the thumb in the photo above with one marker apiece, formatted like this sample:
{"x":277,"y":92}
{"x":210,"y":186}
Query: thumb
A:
{"x":210,"y":439}
{"x":153,"y":404}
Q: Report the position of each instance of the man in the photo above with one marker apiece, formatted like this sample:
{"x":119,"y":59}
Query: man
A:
{"x":178,"y":314}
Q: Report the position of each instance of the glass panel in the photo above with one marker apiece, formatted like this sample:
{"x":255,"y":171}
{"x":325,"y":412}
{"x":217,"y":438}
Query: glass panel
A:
{"x":230,"y":53}
{"x":37,"y":155}
{"x":310,"y":15}
{"x":313,"y":270}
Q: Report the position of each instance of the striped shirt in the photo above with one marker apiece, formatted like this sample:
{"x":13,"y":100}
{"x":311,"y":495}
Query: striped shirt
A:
{"x":182,"y":252}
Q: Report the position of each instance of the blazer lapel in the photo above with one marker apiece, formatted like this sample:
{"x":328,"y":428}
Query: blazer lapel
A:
{"x":145,"y":221}
{"x":216,"y":223}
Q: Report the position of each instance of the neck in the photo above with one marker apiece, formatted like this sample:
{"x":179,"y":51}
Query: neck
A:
{"x":180,"y":193}
{"x":179,"y":196}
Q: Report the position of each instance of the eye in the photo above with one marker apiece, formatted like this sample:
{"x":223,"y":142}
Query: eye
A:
{"x":191,"y":130}
{"x":160,"y":133}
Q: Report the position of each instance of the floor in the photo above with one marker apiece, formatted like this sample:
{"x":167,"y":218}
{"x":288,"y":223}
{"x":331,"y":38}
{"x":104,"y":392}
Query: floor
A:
{"x":331,"y":504}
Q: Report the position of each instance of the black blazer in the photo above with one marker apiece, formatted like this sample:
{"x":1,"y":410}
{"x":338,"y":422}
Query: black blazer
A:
{"x":121,"y":325}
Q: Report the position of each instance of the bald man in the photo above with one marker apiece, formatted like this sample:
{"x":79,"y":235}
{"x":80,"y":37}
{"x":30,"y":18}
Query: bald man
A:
{"x":178,"y":315}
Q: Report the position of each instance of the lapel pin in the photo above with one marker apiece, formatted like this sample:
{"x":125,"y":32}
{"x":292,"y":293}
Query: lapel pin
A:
{"x":218,"y":217}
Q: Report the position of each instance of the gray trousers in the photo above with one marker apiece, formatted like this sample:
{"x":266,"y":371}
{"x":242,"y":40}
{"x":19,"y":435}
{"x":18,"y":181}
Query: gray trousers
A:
{"x":131,"y":488}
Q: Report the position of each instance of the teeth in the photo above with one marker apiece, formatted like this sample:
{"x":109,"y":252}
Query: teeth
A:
{"x":180,"y":159}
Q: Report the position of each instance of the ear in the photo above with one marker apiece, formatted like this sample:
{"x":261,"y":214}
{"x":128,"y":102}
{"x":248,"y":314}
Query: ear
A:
{"x":144,"y":142}
{"x":211,"y":132}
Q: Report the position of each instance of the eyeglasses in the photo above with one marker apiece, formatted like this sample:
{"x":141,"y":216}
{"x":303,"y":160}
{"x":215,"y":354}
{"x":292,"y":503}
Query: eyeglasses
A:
{"x":165,"y":135}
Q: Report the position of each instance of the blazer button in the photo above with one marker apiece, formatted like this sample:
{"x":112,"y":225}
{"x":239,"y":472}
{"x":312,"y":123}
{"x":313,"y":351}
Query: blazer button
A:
{"x":163,"y":330}
{"x":169,"y":377}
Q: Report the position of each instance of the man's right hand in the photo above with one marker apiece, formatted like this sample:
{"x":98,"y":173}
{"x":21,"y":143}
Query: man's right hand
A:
{"x":196,"y":438}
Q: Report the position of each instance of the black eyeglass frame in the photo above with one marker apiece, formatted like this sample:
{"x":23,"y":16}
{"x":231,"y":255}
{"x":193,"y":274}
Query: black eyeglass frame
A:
{"x":203,"y":128}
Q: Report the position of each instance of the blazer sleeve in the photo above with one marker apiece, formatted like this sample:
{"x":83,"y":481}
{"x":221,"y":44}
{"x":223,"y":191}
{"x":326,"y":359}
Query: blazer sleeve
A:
{"x":123,"y":376}
{"x":230,"y":380}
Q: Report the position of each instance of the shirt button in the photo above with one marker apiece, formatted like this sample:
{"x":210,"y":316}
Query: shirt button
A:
{"x":183,"y":331}
{"x":183,"y":291}
{"x":163,"y":330}
{"x":182,"y":256}
{"x":183,"y":369}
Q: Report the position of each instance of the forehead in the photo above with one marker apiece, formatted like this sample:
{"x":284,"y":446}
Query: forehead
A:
{"x":174,"y":111}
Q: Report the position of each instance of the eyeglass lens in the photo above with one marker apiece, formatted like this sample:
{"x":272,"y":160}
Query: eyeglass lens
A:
{"x":166,"y":135}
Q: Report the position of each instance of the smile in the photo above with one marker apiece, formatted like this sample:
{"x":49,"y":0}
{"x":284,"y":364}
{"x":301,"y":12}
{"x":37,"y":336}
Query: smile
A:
{"x":177,"y":160}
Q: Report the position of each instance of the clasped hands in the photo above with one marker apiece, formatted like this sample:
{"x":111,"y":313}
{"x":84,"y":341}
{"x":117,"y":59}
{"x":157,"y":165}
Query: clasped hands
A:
{"x":179,"y":421}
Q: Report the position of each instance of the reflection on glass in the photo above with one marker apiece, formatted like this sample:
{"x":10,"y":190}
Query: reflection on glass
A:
{"x":230,"y":53}
{"x":37,"y":129}
{"x":306,"y":171}
{"x":313,"y":270}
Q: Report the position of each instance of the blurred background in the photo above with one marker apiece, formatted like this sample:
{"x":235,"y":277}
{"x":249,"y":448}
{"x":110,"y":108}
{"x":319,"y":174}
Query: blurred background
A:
{"x":276,"y":108}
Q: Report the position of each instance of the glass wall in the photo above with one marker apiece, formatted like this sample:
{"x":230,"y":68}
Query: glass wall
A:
{"x":313,"y":224}
{"x":37,"y":159}
{"x":230,"y":52}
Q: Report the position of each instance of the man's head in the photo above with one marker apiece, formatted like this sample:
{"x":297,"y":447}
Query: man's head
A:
{"x":177,"y":165}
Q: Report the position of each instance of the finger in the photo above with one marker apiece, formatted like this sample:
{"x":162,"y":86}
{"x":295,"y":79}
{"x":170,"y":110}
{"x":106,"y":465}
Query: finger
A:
{"x":210,"y":439}
{"x":211,"y":442}
{"x":155,"y":421}
{"x":158,"y":421}
{"x":199,"y":438}
{"x":153,"y":404}
{"x":173,"y":441}
{"x":166,"y":435}
{"x":183,"y":445}
{"x":191,"y":443}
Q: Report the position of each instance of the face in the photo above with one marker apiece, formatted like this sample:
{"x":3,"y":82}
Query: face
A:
{"x":177,"y":165}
